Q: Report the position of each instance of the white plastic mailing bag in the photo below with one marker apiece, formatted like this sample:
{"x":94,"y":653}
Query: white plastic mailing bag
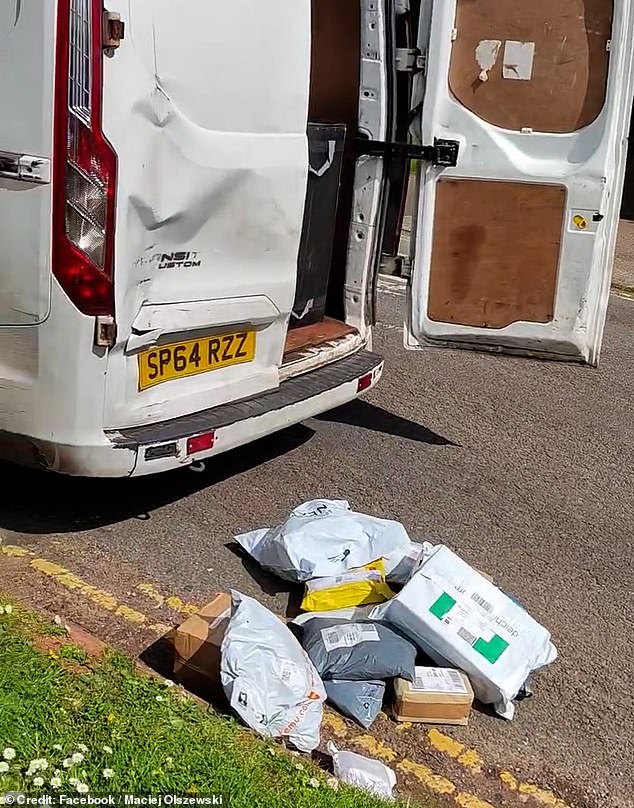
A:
{"x":323,"y":538}
{"x":363,"y":772}
{"x":460,"y":619}
{"x":268,"y":678}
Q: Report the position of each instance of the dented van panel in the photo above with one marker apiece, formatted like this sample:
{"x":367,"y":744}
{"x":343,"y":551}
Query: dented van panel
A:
{"x":212,"y":154}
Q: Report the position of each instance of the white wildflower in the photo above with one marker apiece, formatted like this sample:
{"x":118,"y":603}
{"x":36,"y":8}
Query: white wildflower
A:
{"x":107,"y":750}
{"x":299,"y":767}
{"x":77,"y":757}
{"x":67,"y":763}
{"x":1,"y":609}
{"x":314,"y":782}
{"x":8,"y":753}
{"x":8,"y":608}
{"x":57,"y":772}
{"x":38,"y":782}
{"x":73,"y":781}
{"x":333,"y":783}
{"x":55,"y":782}
{"x":42,"y":764}
{"x":82,"y":747}
{"x":57,"y":620}
{"x":82,"y":788}
{"x":169,"y":761}
{"x":159,"y":698}
{"x":57,"y":747}
{"x":4,"y":766}
{"x":168,"y":683}
{"x":107,"y":773}
{"x":270,"y":750}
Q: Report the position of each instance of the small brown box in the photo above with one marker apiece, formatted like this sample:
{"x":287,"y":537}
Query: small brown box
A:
{"x":197,"y":644}
{"x":436,"y":696}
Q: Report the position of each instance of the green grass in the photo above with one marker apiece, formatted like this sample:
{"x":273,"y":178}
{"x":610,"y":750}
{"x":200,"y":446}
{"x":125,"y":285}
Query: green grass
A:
{"x":52,"y":705}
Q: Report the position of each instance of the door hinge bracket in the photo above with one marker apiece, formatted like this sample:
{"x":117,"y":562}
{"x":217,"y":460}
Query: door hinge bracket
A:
{"x":442,"y":153}
{"x":410,"y":60}
{"x":105,"y":331}
{"x":24,"y":168}
{"x":113,"y":30}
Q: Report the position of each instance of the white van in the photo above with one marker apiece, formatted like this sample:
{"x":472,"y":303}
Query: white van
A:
{"x":153,"y":175}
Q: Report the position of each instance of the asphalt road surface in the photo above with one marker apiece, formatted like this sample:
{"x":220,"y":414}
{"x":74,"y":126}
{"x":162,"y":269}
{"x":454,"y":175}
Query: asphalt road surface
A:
{"x":523,"y":467}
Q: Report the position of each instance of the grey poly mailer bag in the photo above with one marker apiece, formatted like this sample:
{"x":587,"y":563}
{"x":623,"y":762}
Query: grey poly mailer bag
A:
{"x":324,"y":537}
{"x":358,"y":650}
{"x":361,"y":701}
{"x":267,"y":677}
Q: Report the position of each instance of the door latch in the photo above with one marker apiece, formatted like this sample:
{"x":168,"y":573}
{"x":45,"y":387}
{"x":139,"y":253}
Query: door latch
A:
{"x":410,"y":60}
{"x":443,"y":153}
{"x":24,"y":168}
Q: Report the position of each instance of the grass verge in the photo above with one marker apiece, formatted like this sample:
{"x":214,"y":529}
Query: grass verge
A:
{"x":79,"y":725}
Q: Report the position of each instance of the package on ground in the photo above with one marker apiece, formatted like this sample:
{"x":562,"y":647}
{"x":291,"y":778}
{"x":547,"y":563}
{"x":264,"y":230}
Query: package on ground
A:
{"x":358,"y":651}
{"x":322,"y":538}
{"x":363,"y":772}
{"x":461,"y":620}
{"x":400,"y":566}
{"x":351,"y":613}
{"x":354,"y":588}
{"x":436,"y":696}
{"x":197,"y":644}
{"x":268,"y":679}
{"x":361,"y":701}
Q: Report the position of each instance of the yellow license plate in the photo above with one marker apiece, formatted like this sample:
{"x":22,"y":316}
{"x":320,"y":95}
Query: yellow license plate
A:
{"x":194,"y":356}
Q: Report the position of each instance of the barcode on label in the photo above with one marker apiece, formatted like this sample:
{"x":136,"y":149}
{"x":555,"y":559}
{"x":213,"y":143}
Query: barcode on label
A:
{"x":482,"y":602}
{"x":467,"y":636}
{"x":439,"y":680}
{"x":347,"y":636}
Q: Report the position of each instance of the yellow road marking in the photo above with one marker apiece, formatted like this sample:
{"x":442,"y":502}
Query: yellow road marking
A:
{"x":175,"y":603}
{"x":434,"y":782}
{"x":336,"y":724}
{"x":14,"y":551}
{"x":443,"y":743}
{"x":375,"y":747}
{"x":467,"y":800}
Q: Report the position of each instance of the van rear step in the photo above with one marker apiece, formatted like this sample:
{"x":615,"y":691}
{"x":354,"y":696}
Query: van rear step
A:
{"x":290,"y":392}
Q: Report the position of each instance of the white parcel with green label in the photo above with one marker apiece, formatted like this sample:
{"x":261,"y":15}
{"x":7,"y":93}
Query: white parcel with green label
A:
{"x":458,"y":618}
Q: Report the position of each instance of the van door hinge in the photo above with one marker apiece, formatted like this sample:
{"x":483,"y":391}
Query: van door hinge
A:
{"x":113,"y":30}
{"x":442,"y":153}
{"x":24,"y":168}
{"x":410,"y":60}
{"x":105,"y":331}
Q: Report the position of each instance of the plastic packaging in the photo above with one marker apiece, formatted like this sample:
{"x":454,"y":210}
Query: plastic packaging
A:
{"x":361,"y":701}
{"x":355,"y":588}
{"x":268,"y":679}
{"x":322,"y":538}
{"x":359,"y":651}
{"x":363,"y":772}
{"x":461,"y":620}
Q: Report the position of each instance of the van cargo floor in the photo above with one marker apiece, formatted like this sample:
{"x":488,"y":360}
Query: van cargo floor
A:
{"x":310,"y":336}
{"x":292,"y":391}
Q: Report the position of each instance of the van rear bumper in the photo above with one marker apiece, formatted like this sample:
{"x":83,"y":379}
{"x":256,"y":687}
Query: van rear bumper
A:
{"x":163,"y":446}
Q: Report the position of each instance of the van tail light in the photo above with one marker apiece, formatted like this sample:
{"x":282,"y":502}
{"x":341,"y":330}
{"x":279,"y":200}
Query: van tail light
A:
{"x":84,"y":163}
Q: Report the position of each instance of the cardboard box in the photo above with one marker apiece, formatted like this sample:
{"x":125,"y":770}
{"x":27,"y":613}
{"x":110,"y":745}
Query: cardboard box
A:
{"x":436,"y":696}
{"x":197,"y":644}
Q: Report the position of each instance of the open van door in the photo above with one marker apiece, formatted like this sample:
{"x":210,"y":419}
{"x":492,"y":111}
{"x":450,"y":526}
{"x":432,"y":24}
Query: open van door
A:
{"x":514,"y":244}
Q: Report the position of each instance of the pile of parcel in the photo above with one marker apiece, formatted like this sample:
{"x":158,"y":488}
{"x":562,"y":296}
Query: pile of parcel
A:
{"x":375,"y":604}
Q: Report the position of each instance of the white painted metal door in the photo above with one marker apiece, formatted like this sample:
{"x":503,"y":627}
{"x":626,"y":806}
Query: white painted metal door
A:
{"x":27,"y":48}
{"x":206,"y":105}
{"x":514,"y":245}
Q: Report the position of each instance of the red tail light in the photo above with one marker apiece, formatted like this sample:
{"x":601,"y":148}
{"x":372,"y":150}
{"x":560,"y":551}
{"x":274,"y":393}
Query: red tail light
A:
{"x":84,"y":163}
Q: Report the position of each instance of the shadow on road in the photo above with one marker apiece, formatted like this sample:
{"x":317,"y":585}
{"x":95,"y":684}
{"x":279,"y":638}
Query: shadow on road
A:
{"x":41,"y":502}
{"x":369,"y":416}
{"x":269,"y":583}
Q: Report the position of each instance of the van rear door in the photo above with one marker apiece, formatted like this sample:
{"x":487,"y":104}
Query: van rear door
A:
{"x":515,"y":243}
{"x":27,"y":51}
{"x":205,"y":105}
